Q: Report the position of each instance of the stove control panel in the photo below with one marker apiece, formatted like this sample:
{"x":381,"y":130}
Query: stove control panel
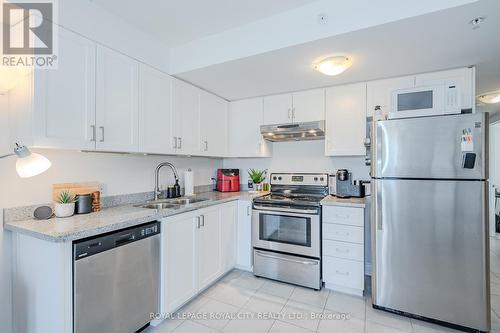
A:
{"x":316,"y":179}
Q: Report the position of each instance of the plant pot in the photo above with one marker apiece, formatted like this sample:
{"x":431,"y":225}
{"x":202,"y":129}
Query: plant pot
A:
{"x":259,"y":186}
{"x":64,"y":210}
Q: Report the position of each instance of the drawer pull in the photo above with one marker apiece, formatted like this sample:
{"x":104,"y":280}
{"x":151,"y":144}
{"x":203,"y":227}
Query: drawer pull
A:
{"x":343,"y":233}
{"x":341,"y":216}
{"x":342,"y":250}
{"x":342,"y":273}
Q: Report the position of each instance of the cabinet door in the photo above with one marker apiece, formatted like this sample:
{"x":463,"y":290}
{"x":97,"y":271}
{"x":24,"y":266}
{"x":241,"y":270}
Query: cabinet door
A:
{"x":244,"y":231}
{"x":379,"y":94}
{"x":462,"y":77}
{"x":213,"y":125}
{"x":117,"y":106}
{"x":64,"y":99}
{"x":309,"y":105}
{"x":345,"y":120}
{"x":209,"y":246}
{"x":278,"y":109}
{"x":186,"y":107}
{"x":245,"y":140}
{"x":179,"y":279}
{"x":228,"y":236}
{"x":155,"y":112}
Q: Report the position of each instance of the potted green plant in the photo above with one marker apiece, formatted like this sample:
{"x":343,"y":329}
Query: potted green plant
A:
{"x":65,"y":204}
{"x":257,"y":177}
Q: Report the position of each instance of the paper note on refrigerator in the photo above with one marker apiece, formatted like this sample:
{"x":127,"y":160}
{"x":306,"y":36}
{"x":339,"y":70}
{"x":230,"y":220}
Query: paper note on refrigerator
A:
{"x":467,"y":140}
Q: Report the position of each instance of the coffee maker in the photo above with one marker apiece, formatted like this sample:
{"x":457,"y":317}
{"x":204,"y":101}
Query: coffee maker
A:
{"x":345,"y":187}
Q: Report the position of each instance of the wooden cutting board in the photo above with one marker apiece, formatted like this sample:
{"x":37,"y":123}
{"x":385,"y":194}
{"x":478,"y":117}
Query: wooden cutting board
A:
{"x":74,"y":188}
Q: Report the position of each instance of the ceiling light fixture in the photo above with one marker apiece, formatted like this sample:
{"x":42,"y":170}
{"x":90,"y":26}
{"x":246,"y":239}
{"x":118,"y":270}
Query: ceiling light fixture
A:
{"x":490,"y":98}
{"x":333,"y":65}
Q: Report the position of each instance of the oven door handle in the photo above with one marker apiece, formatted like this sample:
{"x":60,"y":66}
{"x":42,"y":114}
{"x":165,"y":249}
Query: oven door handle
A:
{"x":302,"y":262}
{"x":289,"y":210}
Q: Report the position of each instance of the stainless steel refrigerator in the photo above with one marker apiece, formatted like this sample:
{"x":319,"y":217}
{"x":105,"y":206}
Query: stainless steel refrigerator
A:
{"x":429,"y":219}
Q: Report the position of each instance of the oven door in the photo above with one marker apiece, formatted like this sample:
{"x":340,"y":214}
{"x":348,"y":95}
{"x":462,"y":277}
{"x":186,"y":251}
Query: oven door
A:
{"x":295,"y":231}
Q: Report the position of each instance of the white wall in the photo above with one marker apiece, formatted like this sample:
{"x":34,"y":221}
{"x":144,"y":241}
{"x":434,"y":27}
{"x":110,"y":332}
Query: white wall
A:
{"x":119,"y":174}
{"x":95,"y":23}
{"x":303,"y":156}
{"x":5,"y":247}
{"x":495,"y":154}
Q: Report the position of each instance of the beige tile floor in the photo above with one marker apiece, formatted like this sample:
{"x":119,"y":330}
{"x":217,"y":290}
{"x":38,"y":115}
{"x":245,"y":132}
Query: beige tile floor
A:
{"x":236,"y":301}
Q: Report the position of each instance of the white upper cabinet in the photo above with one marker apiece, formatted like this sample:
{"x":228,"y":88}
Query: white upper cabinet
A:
{"x":278,"y":109}
{"x":464,"y":78}
{"x":186,"y":113}
{"x":155,"y":112}
{"x":297,"y":107}
{"x":64,"y":98}
{"x":245,"y":118}
{"x":308,"y":105}
{"x":56,"y":108}
{"x":379,"y":94}
{"x":117,"y":105}
{"x":213,"y":125}
{"x":345,"y":120}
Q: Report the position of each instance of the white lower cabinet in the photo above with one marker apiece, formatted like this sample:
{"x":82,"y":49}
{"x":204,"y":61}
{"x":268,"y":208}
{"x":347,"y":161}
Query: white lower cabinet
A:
{"x":179,"y":279}
{"x":244,"y":238}
{"x":197,"y":248}
{"x":228,"y":220}
{"x":209,"y":246}
{"x":343,"y":249}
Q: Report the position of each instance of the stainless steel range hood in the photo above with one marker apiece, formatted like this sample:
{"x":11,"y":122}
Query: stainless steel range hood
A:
{"x":313,"y":130}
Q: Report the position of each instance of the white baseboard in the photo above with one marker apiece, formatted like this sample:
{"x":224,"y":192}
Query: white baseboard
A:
{"x":344,"y":290}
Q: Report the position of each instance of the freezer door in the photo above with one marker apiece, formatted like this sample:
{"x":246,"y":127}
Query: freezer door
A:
{"x":431,"y":147}
{"x":430,"y":250}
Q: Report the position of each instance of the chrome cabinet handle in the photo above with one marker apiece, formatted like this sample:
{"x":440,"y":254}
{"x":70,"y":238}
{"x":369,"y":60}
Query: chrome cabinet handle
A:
{"x":198,"y":222}
{"x":289,"y":113}
{"x":342,"y":250}
{"x":175,"y":142}
{"x":93,"y":132}
{"x":293,"y":113}
{"x":206,"y":145}
{"x":341,"y":273}
{"x":180,"y":143}
{"x":248,"y":210}
{"x":102,"y":133}
{"x":303,"y":262}
{"x":202,"y":220}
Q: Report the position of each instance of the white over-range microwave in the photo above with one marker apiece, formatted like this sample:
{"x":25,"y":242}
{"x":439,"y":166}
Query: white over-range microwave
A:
{"x":425,"y":101}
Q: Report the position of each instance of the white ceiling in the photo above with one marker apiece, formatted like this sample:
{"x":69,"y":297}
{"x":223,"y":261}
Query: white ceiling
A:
{"x":177,"y":22}
{"x":429,"y":42}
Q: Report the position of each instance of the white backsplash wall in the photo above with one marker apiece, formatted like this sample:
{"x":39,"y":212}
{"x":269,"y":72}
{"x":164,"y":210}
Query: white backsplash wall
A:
{"x":119,"y":174}
{"x":299,"y":156}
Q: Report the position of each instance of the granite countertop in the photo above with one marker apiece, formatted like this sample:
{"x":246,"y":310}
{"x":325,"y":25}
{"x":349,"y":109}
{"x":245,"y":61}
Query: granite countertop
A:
{"x":114,"y":218}
{"x":331,"y":200}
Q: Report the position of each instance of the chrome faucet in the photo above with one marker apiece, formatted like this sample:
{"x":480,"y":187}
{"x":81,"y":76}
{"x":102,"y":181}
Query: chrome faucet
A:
{"x":157,"y":176}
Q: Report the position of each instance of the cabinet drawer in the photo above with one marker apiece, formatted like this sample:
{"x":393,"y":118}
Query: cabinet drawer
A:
{"x":344,"y":250}
{"x":343,"y":233}
{"x":342,"y":272}
{"x":344,"y":215}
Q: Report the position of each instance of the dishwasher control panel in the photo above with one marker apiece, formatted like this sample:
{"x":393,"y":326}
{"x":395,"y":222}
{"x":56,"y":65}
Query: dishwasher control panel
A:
{"x":100,"y":243}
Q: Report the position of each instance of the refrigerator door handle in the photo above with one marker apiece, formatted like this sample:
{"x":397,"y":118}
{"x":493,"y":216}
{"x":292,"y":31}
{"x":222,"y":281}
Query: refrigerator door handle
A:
{"x":377,"y":202}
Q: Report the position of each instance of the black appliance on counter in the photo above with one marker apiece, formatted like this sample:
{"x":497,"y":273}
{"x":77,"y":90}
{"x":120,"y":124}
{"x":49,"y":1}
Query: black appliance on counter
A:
{"x":345,"y":187}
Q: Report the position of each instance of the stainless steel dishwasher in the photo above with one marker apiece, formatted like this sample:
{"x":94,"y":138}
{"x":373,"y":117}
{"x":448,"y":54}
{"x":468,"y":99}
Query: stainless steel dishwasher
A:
{"x":116,"y":280}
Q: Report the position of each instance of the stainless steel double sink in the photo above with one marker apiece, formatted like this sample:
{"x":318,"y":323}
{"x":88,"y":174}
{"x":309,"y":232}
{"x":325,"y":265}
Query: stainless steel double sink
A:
{"x":176,"y":203}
